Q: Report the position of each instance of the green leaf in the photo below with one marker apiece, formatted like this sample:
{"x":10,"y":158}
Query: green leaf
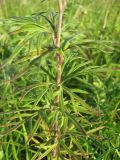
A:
{"x":91,"y":110}
{"x":67,"y":41}
{"x":76,"y":124}
{"x":37,"y":154}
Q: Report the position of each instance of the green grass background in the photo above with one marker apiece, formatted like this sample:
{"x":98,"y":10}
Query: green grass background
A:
{"x":91,"y":72}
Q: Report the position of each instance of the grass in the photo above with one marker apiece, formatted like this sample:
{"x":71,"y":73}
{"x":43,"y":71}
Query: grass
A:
{"x":88,"y":113}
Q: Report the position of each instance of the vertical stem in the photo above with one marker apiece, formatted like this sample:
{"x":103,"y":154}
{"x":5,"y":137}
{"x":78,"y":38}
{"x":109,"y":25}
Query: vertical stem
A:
{"x":61,"y":6}
{"x":60,"y":61}
{"x":59,"y":27}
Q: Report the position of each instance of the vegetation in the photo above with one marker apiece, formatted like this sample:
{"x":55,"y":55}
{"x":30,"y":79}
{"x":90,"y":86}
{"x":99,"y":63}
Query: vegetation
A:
{"x":60,"y":80}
